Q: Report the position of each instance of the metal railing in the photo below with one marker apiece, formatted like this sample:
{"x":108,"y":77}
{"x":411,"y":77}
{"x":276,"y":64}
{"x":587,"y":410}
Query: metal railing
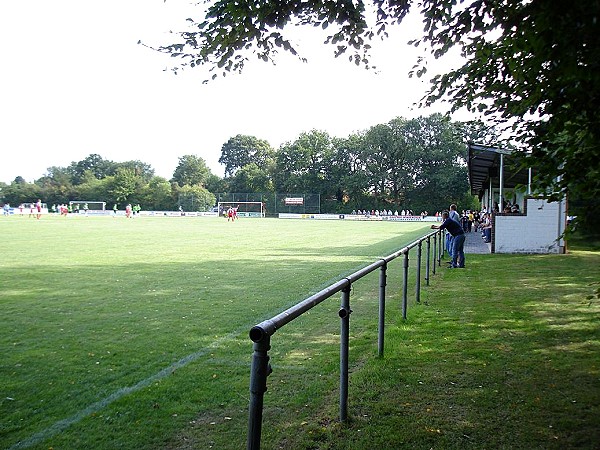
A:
{"x":261,"y":334}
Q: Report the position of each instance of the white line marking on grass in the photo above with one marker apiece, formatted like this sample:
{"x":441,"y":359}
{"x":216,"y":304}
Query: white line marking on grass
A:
{"x":62,"y":425}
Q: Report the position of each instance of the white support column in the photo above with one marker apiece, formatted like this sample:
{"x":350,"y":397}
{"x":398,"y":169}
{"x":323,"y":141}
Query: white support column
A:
{"x":500,"y":208}
{"x":490,"y":197}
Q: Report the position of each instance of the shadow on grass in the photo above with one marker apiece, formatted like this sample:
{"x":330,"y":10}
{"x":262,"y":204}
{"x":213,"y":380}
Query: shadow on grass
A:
{"x":502,"y":355}
{"x":77,"y":335}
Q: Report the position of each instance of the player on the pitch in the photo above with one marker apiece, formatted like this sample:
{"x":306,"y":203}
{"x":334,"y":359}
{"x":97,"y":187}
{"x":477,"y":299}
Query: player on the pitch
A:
{"x":232,"y":213}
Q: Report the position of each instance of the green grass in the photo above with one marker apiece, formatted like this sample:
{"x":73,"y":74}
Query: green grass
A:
{"x":504,"y":354}
{"x":98,"y":314}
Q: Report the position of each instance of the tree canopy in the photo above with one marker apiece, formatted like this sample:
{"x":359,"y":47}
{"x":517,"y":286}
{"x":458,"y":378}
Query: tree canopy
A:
{"x":416,"y":164}
{"x":241,"y":150}
{"x":191,"y":170}
{"x":530,"y":65}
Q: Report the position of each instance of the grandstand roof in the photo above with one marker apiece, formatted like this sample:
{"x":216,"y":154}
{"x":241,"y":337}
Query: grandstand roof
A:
{"x":484,"y":164}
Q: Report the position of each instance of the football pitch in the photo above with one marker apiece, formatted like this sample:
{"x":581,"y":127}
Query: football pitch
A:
{"x":121,"y":333}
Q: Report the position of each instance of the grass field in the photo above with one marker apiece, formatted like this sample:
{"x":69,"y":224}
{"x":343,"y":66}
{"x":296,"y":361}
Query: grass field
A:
{"x":134,"y":333}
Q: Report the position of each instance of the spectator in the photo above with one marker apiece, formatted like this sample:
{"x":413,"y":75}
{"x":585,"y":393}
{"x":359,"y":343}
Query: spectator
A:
{"x":453,"y":214}
{"x":486,"y":229}
{"x":458,"y":239}
{"x":464,"y":222}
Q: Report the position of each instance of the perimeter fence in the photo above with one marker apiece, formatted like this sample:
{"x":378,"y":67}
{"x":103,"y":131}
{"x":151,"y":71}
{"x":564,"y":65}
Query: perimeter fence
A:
{"x":277,"y":202}
{"x":261,"y":334}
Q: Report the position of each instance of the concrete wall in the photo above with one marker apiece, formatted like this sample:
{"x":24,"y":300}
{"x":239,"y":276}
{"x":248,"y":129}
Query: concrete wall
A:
{"x":536,"y":230}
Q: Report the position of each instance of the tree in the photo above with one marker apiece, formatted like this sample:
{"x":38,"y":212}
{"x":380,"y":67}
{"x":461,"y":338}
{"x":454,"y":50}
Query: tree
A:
{"x":387,"y":156}
{"x":438,"y":163}
{"x":348,"y":170}
{"x":90,"y":188}
{"x":482,"y":133}
{"x":191,"y":170}
{"x":123,"y":186}
{"x":141,"y":169}
{"x":539,"y":76}
{"x":231,"y":30}
{"x":251,"y":178}
{"x":241,"y":150}
{"x":301,"y":166}
{"x":56,"y":185}
{"x":377,"y":143}
{"x":531,"y":65}
{"x":19,"y":191}
{"x":157,"y":195}
{"x":195,"y":198}
{"x":216,"y":184}
{"x":94,"y":164}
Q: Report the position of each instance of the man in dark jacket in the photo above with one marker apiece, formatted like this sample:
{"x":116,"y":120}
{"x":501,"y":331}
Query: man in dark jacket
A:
{"x":458,"y":239}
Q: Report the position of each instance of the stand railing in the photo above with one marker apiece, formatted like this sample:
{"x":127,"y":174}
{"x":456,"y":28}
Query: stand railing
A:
{"x":261,"y":334}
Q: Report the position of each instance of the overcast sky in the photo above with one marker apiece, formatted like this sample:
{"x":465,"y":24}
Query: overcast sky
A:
{"x":75,"y":82}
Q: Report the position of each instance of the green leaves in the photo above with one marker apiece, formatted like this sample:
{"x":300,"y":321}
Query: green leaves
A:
{"x":191,"y":170}
{"x":232,"y":31}
{"x":531,"y":67}
{"x":242,"y":150}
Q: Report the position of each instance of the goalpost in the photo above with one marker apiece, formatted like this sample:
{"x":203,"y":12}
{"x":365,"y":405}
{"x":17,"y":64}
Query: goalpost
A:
{"x":95,"y":206}
{"x":244,"y":209}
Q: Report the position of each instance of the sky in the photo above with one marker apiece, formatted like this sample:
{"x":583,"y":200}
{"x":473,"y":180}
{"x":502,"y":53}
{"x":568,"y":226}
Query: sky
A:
{"x":74,"y":82}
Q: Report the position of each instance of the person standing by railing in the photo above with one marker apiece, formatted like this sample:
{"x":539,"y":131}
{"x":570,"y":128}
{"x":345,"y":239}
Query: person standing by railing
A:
{"x":457,"y":239}
{"x":452,"y":214}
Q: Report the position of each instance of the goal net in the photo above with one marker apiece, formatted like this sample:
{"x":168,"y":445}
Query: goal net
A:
{"x":83,"y":204}
{"x":244,"y":209}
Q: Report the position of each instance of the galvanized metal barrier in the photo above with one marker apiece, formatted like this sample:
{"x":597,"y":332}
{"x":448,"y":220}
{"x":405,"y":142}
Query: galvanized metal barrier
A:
{"x":261,"y":334}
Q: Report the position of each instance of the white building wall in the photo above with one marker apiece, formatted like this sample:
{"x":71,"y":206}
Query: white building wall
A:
{"x":537,"y":231}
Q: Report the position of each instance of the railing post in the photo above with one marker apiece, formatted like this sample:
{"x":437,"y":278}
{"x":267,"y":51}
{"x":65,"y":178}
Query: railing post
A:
{"x":344,"y":314}
{"x":258,"y":386}
{"x":405,"y":286}
{"x":435,"y":241}
{"x":427,"y":259}
{"x":382,"y":284}
{"x":444,"y":251}
{"x":418,"y":275}
{"x":261,"y":333}
{"x":442,"y":247}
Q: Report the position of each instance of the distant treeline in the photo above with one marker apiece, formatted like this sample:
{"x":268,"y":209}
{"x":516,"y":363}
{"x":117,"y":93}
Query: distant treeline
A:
{"x":417,"y":164}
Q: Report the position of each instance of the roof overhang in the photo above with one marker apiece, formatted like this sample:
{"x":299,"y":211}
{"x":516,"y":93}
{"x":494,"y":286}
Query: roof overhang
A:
{"x":484,"y":168}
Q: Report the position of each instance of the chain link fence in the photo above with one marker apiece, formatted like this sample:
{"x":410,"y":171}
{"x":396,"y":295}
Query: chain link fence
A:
{"x":275,"y":203}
